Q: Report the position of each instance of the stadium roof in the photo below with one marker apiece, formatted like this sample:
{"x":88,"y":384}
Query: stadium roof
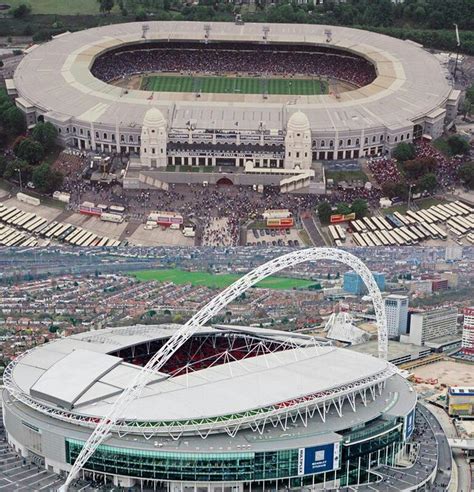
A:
{"x":95,"y":378}
{"x":36,"y":381}
{"x":55,"y":78}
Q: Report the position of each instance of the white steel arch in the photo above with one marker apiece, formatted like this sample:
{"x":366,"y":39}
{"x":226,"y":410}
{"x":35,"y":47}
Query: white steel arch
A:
{"x":104,"y":427}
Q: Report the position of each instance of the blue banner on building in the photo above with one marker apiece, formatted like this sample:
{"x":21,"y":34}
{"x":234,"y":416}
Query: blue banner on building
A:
{"x":318,"y":459}
{"x":409,"y":424}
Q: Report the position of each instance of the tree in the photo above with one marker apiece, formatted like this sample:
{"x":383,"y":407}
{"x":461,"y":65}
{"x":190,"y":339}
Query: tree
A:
{"x":466,"y":174}
{"x":11,"y":171}
{"x":3,"y":165}
{"x":45,"y":179}
{"x":3,"y":138}
{"x":21,"y":11}
{"x":458,"y":145}
{"x":359,"y":207}
{"x":404,"y":151}
{"x":392,"y":190}
{"x":416,"y":168}
{"x":324,"y":212}
{"x":13,"y":120}
{"x":470,"y":94}
{"x":105,"y":6}
{"x":30,"y":151}
{"x":428,"y":183}
{"x":141,"y":15}
{"x":45,"y":134}
{"x":343,"y":209}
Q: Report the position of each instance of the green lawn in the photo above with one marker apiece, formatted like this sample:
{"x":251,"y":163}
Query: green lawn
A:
{"x":401,"y":208}
{"x":233,"y":85}
{"x":347,"y":176}
{"x":428,"y":202}
{"x":216,"y":281}
{"x":59,"y":7}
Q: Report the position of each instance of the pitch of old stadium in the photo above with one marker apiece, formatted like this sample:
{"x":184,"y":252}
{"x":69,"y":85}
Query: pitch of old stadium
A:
{"x":237,"y":85}
{"x":217,"y":281}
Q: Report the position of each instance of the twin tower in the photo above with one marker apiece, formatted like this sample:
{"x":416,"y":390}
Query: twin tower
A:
{"x":154,"y":139}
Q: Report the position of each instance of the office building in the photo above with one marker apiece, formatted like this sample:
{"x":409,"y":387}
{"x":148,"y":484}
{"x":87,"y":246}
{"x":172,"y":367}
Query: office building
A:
{"x":429,"y":325}
{"x":396,"y":308}
{"x":468,"y":331}
{"x":353,"y":283}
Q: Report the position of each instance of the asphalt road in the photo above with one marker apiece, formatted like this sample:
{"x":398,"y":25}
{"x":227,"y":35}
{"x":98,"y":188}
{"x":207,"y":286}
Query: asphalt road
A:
{"x":464,"y":470}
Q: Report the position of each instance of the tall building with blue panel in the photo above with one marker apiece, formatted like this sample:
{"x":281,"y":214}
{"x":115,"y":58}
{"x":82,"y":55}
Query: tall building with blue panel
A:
{"x":353,"y":283}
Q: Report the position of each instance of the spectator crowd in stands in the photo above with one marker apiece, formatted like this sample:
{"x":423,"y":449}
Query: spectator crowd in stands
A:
{"x":206,"y":59}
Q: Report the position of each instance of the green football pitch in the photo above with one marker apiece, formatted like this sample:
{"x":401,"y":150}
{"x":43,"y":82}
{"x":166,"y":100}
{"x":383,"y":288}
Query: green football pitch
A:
{"x":216,"y":281}
{"x":233,"y":85}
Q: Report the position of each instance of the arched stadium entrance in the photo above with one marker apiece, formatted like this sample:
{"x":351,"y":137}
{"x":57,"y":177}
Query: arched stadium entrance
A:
{"x":224,"y":182}
{"x":417,"y":131}
{"x":219,"y":302}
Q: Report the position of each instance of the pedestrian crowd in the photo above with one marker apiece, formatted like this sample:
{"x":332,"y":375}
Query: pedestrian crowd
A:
{"x":220,"y":231}
{"x":447,"y":167}
{"x":384,"y":170}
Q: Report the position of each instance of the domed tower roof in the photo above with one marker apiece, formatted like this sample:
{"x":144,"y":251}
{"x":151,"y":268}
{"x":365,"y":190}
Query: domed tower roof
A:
{"x":298,"y":122}
{"x":154,"y":118}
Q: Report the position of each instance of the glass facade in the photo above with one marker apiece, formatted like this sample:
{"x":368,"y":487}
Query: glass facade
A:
{"x":354,"y":284}
{"x":205,"y":467}
{"x":362,"y":450}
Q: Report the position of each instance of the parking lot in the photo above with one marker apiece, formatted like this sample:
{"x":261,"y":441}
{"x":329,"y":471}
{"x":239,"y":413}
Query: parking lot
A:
{"x":273,"y":237}
{"x":133,"y":232}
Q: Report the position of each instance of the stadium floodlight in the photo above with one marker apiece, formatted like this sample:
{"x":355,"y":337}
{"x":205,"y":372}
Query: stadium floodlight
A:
{"x":207,"y":32}
{"x":328,"y":34}
{"x":238,"y":20}
{"x":145,"y":29}
{"x":103,"y":429}
{"x":458,"y":44}
{"x":265,"y":30}
{"x":458,"y":41}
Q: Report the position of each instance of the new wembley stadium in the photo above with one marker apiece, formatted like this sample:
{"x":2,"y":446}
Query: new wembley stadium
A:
{"x":234,"y":408}
{"x":264,"y":103}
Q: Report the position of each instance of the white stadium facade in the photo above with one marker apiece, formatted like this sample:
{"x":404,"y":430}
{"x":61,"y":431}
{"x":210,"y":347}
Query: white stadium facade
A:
{"x":268,"y":138}
{"x":212,"y":408}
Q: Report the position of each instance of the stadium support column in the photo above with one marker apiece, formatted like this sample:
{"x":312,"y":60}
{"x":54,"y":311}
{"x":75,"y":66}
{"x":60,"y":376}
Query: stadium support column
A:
{"x":117,"y":137}
{"x":93,"y":145}
{"x":361,"y":143}
{"x":336,"y":145}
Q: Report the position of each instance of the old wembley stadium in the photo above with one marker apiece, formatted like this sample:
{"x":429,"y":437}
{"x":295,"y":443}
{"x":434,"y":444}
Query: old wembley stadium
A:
{"x":212,"y":408}
{"x":382,"y":91}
